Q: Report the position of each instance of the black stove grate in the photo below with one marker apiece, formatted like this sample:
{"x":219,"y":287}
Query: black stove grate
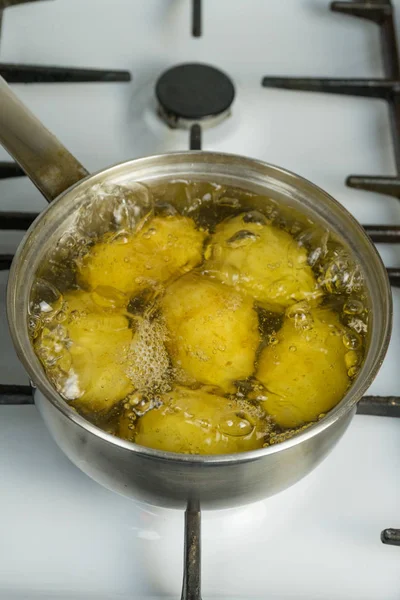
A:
{"x":15,"y":73}
{"x":16,"y":221}
{"x":10,"y":169}
{"x":380,"y":12}
{"x":15,"y":395}
{"x":196,"y":18}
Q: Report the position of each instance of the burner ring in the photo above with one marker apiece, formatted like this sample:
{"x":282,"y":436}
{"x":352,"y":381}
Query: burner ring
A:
{"x":194,"y":93}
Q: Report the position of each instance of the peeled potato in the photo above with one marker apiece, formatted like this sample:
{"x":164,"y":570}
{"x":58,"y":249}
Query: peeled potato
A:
{"x":87,"y":353}
{"x":213,"y":330}
{"x":261,"y":260}
{"x":305,"y":372}
{"x":199,"y":422}
{"x":161,"y":248}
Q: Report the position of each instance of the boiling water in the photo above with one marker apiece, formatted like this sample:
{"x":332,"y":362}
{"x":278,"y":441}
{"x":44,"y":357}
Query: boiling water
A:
{"x":198,"y":318}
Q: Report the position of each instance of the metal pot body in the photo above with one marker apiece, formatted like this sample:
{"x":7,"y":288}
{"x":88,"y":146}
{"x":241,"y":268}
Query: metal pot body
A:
{"x":169,"y":479}
{"x":171,"y":483}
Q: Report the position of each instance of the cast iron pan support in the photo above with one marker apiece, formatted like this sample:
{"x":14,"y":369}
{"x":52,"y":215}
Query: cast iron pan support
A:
{"x":191,"y":587}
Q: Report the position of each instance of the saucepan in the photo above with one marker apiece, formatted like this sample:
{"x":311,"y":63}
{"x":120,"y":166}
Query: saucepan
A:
{"x":153,"y":476}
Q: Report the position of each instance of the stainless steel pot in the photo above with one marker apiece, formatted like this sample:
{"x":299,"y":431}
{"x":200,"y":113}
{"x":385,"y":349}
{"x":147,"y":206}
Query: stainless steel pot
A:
{"x":153,"y":476}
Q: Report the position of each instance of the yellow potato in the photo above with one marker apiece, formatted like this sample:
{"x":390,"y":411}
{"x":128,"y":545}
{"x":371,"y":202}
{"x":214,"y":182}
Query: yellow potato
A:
{"x":199,"y":422}
{"x":305,"y":372}
{"x":161,"y":248}
{"x":213,"y":330}
{"x":261,"y":260}
{"x":86,"y":354}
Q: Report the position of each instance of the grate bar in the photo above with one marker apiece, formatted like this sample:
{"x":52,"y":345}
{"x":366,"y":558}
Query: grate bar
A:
{"x":14,"y":73}
{"x":382,"y":234}
{"x":16,"y":221}
{"x":5,"y":261}
{"x":379,"y":406}
{"x":6,"y":3}
{"x":394,"y":276}
{"x":373,"y":11}
{"x":19,"y":395}
{"x":368,"y":88}
{"x":196,"y":18}
{"x":10,"y":169}
{"x":195,"y":137}
{"x":383,"y":185}
{"x":391,"y":537}
{"x":380,"y":12}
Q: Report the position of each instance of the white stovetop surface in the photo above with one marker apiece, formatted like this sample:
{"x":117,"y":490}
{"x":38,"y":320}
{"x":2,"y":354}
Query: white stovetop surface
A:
{"x":62,"y":536}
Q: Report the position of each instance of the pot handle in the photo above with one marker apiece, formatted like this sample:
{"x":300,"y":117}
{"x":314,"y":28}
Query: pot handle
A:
{"x":43,"y":158}
{"x":191,"y":588}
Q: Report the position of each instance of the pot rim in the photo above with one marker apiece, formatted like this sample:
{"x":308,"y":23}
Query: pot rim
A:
{"x":40,"y":381}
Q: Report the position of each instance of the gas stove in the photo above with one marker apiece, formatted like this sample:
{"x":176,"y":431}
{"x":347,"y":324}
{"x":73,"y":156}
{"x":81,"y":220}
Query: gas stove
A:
{"x":114,"y":95}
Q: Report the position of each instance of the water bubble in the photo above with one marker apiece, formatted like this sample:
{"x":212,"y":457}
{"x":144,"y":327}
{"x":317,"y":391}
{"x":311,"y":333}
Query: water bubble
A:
{"x":352,"y":372}
{"x":229,"y":202}
{"x":69,"y":245}
{"x":74,"y":315}
{"x":341,"y":275}
{"x":146,"y":404}
{"x":353,"y":307}
{"x":314,"y":256}
{"x":120,"y":237}
{"x":53,"y":343}
{"x":254,"y":216}
{"x":335,"y":330}
{"x":292,"y":348}
{"x":272,"y":340}
{"x":113,"y":208}
{"x":150,"y":232}
{"x":47,"y":300}
{"x":133,"y":400}
{"x":194,"y":205}
{"x":351,"y":340}
{"x":351,"y":359}
{"x":34,"y":324}
{"x":61,"y":316}
{"x":236,"y":424}
{"x":242,"y":238}
{"x":298,"y":308}
{"x":149,"y":366}
{"x":300,"y":314}
{"x":165,"y":210}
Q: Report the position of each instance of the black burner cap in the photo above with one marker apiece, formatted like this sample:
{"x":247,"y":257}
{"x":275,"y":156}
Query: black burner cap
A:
{"x":194,"y":92}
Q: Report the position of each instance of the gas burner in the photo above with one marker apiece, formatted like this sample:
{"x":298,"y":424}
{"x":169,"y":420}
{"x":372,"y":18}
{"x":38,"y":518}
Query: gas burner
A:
{"x":194,"y":94}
